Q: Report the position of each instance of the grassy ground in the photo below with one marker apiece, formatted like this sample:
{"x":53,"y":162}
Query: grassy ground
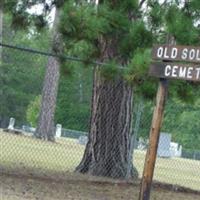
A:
{"x":22,"y":154}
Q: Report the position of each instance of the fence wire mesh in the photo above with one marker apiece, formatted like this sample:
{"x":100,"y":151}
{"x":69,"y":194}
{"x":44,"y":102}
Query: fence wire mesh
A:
{"x":22,"y":75}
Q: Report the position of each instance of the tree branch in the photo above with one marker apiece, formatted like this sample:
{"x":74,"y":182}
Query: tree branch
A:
{"x":141,"y":3}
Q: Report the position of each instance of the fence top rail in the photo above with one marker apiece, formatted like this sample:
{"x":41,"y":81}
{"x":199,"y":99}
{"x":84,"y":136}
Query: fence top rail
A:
{"x":71,"y":58}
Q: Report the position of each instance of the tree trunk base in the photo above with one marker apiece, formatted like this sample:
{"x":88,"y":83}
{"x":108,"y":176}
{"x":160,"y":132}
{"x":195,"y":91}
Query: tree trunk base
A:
{"x":112,"y":169}
{"x":107,"y":153}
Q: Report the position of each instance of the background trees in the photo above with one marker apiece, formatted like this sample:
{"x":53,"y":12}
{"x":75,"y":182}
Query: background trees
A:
{"x":119,"y":34}
{"x":21,"y":73}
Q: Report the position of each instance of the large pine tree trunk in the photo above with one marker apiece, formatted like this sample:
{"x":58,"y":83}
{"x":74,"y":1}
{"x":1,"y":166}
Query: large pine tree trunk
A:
{"x":2,"y":120}
{"x":1,"y":28}
{"x":107,"y":151}
{"x":46,"y":128}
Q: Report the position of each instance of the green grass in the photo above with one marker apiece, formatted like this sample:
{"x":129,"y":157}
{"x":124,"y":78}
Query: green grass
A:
{"x":20,"y":153}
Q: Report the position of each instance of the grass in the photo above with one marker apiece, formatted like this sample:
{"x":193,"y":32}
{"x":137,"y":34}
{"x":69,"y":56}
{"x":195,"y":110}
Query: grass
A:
{"x":22,"y":153}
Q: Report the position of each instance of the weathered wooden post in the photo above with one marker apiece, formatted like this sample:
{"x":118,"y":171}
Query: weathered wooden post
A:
{"x":153,"y":140}
{"x":164,"y":71}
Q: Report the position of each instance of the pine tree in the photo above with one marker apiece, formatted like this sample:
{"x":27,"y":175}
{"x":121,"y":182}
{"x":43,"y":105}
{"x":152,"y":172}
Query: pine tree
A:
{"x":111,"y":33}
{"x":45,"y":127}
{"x":119,"y":33}
{"x":1,"y":27}
{"x":23,"y":19}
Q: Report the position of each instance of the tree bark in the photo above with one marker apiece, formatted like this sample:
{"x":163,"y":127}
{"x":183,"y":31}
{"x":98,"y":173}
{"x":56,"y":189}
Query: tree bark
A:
{"x":46,"y":128}
{"x":1,"y":28}
{"x":2,"y":120}
{"x":107,"y":151}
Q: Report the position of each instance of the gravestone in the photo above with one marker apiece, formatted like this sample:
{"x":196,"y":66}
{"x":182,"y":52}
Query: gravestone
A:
{"x":32,"y":129}
{"x":24,"y":128}
{"x":11,"y":123}
{"x":58,"y":130}
{"x":164,"y":146}
{"x":28,"y":129}
{"x":141,"y":145}
{"x":175,"y":149}
{"x":83,"y":140}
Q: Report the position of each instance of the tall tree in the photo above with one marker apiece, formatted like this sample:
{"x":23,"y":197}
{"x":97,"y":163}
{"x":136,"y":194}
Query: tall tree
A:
{"x":45,"y":128}
{"x":18,"y":67}
{"x":1,"y":27}
{"x":21,"y":74}
{"x":23,"y":17}
{"x":1,"y":39}
{"x":118,"y":32}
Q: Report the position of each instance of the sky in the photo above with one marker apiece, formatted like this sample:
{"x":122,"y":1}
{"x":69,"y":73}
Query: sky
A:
{"x":38,"y":10}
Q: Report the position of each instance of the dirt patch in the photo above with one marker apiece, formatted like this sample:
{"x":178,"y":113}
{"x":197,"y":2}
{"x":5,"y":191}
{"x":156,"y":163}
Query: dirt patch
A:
{"x":27,"y":188}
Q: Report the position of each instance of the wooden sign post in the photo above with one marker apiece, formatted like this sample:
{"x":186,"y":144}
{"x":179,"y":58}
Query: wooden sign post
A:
{"x":153,"y":141}
{"x":166,"y":70}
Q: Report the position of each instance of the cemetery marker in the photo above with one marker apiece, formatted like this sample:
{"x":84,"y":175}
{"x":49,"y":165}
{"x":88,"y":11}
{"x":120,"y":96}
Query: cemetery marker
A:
{"x":166,"y":70}
{"x":58,"y":130}
{"x":11,"y":123}
{"x":176,"y":53}
{"x":175,"y":71}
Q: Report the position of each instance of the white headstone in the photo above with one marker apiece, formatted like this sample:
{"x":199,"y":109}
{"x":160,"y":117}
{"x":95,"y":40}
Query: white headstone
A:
{"x":23,"y":127}
{"x":11,"y":123}
{"x":179,"y":154}
{"x":142,"y":144}
{"x":58,"y":130}
{"x":175,"y":149}
{"x":164,"y":145}
{"x":83,"y":140}
{"x":32,"y":129}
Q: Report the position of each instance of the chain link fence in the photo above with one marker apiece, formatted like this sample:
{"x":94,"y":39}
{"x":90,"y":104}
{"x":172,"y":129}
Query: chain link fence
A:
{"x":22,"y":75}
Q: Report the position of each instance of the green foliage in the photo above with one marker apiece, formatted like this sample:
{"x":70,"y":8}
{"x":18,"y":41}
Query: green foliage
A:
{"x":137,"y":74}
{"x":181,"y":26}
{"x":156,"y":16}
{"x":39,"y":22}
{"x":87,"y":32}
{"x":32,"y":112}
{"x":83,"y":26}
{"x":138,"y":67}
{"x":21,"y":73}
{"x":17,"y":90}
{"x":138,"y":37}
{"x":74,"y":96}
{"x":82,"y":22}
{"x":110,"y":71}
{"x":187,"y":132}
{"x":124,"y":6}
{"x":183,"y":90}
{"x":22,"y":18}
{"x":67,"y":68}
{"x":180,"y":120}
